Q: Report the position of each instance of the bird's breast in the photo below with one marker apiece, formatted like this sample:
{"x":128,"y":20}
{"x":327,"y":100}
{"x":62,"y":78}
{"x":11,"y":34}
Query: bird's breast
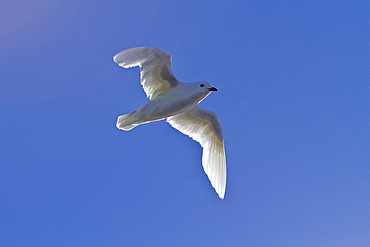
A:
{"x":171,"y":104}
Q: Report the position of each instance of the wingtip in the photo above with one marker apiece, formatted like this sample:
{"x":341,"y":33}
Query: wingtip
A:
{"x":131,"y":57}
{"x":221,"y":194}
{"x":115,"y":59}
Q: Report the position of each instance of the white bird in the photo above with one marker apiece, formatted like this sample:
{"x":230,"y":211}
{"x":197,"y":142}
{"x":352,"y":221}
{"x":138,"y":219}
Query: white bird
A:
{"x":177,"y":102}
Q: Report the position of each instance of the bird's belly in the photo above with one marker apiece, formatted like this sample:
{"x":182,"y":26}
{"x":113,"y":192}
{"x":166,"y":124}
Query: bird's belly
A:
{"x":162,"y":108}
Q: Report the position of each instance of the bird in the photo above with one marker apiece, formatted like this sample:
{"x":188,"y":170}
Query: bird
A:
{"x":176,"y":102}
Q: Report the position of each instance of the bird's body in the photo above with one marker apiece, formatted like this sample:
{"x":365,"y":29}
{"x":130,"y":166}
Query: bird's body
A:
{"x":176,"y":101}
{"x":167,"y":104}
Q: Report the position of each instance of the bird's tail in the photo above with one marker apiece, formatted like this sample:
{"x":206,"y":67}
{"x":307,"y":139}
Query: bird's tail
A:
{"x":126,"y":122}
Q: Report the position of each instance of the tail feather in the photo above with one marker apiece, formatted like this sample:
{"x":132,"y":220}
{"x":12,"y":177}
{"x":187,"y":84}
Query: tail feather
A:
{"x":126,"y":122}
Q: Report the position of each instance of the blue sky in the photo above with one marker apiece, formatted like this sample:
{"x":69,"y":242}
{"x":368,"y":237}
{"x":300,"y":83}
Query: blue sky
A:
{"x":293,"y":100}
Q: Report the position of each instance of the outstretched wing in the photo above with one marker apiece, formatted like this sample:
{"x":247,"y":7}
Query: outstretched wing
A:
{"x":155,"y":69}
{"x":204,"y":127}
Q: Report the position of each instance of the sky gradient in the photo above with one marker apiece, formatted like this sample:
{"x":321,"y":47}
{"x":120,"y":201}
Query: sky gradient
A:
{"x":293,"y":100}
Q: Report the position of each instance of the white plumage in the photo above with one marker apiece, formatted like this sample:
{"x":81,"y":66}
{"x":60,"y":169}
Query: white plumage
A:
{"x":176,"y":101}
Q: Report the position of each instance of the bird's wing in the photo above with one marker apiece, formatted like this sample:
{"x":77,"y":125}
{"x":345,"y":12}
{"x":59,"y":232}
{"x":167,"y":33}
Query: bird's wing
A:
{"x":203,"y":126}
{"x":155,"y":69}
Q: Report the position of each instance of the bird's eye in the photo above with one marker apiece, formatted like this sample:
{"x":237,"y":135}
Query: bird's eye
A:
{"x":201,"y":85}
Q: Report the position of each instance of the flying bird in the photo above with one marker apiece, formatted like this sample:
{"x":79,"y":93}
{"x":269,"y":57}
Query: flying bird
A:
{"x":177,"y":102}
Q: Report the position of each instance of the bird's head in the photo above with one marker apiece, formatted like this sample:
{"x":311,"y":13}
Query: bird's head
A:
{"x":200,"y":90}
{"x":204,"y":86}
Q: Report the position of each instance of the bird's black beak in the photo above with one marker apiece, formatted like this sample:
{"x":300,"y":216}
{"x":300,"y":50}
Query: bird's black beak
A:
{"x":212,"y":89}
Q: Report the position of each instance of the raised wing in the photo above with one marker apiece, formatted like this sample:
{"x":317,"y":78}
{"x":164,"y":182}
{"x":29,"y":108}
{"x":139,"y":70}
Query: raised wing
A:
{"x":203,"y":126}
{"x":155,"y":69}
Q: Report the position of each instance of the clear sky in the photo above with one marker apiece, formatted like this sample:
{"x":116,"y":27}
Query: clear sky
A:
{"x":293,"y":99}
